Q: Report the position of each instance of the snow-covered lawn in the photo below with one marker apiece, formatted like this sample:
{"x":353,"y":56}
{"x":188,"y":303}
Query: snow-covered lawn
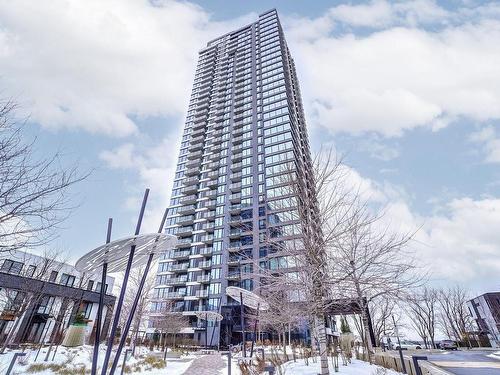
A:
{"x":354,"y":368}
{"x":78,"y":359}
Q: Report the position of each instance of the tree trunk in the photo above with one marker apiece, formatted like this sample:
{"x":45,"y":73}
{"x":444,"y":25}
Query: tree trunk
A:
{"x":319,"y":322}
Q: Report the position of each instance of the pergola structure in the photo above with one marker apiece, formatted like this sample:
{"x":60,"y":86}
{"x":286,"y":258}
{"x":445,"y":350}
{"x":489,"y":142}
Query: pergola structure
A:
{"x":118,"y":256}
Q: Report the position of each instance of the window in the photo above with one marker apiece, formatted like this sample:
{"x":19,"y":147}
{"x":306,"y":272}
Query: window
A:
{"x":67,"y":280}
{"x":53,"y":276}
{"x":12,"y":266}
{"x":98,"y":288}
{"x":31,"y":270}
{"x":90,"y":285}
{"x":45,"y":305}
{"x":86,"y":309}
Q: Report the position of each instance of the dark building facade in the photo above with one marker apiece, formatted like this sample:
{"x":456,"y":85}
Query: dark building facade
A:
{"x":485,"y":309}
{"x":245,"y":126}
{"x":40,"y":297}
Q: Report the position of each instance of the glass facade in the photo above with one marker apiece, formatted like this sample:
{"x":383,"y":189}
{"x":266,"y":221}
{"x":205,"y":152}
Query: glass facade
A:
{"x":244,"y":129}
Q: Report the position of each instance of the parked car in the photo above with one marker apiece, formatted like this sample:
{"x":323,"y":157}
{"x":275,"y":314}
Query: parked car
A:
{"x":447,"y":345}
{"x":408,"y":345}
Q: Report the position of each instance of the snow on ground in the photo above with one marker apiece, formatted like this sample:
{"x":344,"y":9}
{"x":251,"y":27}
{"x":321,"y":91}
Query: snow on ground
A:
{"x":78,"y":358}
{"x":354,"y":368}
{"x":495,"y":355}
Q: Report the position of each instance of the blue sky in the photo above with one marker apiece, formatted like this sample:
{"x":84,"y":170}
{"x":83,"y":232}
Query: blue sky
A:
{"x":408,"y":91}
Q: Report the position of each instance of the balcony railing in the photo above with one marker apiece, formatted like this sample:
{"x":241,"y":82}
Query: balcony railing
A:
{"x":203,"y":279}
{"x":179,"y":267}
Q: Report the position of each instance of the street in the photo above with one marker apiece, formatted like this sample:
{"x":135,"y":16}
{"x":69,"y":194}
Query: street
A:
{"x":465,"y":362}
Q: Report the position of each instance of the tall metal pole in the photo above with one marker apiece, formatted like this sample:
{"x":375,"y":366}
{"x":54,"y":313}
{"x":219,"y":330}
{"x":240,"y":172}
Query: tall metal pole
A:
{"x":255,"y":329}
{"x":403,"y":366}
{"x":123,"y":338}
{"x":123,"y":290}
{"x":242,"y":313}
{"x":206,"y":331}
{"x":98,"y":321}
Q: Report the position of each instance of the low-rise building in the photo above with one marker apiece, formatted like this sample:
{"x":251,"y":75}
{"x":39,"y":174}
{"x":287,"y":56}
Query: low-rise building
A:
{"x":41,"y":296}
{"x":485,"y":309}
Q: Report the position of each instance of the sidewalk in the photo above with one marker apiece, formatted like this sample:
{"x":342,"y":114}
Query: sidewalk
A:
{"x":206,"y":365}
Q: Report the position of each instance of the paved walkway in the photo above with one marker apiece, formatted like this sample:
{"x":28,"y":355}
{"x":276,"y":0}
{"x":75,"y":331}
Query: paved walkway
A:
{"x":206,"y":365}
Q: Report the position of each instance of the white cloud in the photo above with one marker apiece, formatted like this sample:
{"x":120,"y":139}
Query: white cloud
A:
{"x":459,"y":242}
{"x":491,"y":142}
{"x":397,"y":77}
{"x":95,"y":64}
{"x":150,"y":165}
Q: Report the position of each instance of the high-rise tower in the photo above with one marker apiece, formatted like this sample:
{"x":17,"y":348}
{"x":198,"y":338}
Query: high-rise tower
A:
{"x":245,"y":122}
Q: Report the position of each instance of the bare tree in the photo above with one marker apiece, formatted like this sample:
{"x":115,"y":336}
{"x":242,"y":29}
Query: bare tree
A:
{"x":422,"y":307}
{"x":282,"y":316}
{"x":382,"y":309}
{"x":141,"y":312}
{"x":170,"y":322}
{"x":345,"y":254}
{"x":370,"y":261}
{"x":34,"y":197}
{"x":454,"y":317}
{"x":315,"y":203}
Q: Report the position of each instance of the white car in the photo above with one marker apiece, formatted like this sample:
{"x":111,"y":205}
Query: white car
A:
{"x":407,"y":345}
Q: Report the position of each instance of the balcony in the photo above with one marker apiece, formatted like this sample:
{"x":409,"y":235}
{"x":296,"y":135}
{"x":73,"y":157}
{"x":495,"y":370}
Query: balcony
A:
{"x":187,"y":209}
{"x":235,"y":186}
{"x":195,"y":155}
{"x":215,"y":157}
{"x":176,"y":295}
{"x":213,"y":174}
{"x":206,"y":251}
{"x":206,"y":215}
{"x":212,"y":194}
{"x":236,"y":167}
{"x":233,"y":261}
{"x":196,"y":140}
{"x":235,"y":233}
{"x":212,"y":184}
{"x":184,"y":242}
{"x":234,"y":275}
{"x":235,"y":208}
{"x":203,"y":279}
{"x":196,"y":147}
{"x":190,"y":189}
{"x":210,"y":204}
{"x":176,"y":281}
{"x":179,"y":267}
{"x":180,"y":254}
{"x":236,"y":157}
{"x":192,"y":171}
{"x":236,"y":176}
{"x":188,"y":199}
{"x":209,"y":227}
{"x":235,"y":198}
{"x":209,"y":238}
{"x":185,"y":220}
{"x":234,"y":247}
{"x":213,"y":165}
{"x":190,"y":181}
{"x":197,"y":133}
{"x":205,"y":264}
{"x":202,"y":293}
{"x":193,"y":163}
{"x":237,"y":140}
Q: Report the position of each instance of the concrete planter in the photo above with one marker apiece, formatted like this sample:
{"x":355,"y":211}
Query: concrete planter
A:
{"x":75,"y":336}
